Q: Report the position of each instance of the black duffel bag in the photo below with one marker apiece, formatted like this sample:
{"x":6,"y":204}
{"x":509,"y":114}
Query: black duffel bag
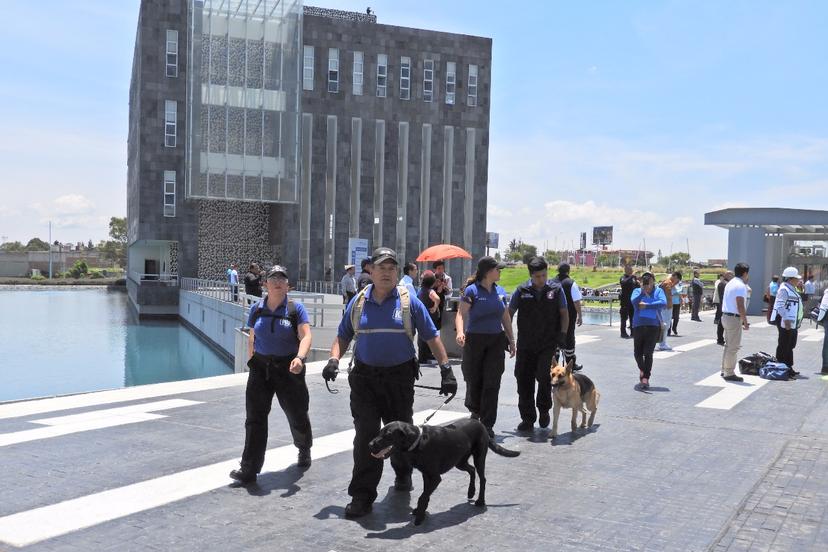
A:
{"x":751,"y":364}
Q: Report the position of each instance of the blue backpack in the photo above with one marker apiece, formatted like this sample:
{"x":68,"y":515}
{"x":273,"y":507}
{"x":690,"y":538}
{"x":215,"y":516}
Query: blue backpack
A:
{"x":775,"y":371}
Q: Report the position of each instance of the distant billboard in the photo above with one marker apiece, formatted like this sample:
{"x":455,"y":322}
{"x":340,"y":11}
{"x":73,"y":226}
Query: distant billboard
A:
{"x":602,"y":235}
{"x":492,"y":240}
{"x":583,"y":241}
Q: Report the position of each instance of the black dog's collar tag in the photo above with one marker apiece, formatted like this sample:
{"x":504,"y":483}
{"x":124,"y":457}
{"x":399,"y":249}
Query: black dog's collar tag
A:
{"x":417,"y":440}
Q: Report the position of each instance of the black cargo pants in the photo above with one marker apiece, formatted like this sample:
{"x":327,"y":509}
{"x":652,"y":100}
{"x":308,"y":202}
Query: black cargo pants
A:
{"x":270,"y":375}
{"x":379,"y":395}
{"x":533,"y":365}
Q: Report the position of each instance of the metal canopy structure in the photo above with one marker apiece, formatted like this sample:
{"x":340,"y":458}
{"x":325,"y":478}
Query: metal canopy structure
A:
{"x":769,"y":239}
{"x":771,"y":220}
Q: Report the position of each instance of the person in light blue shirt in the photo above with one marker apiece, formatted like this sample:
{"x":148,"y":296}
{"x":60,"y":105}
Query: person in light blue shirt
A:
{"x":410,"y":272}
{"x":648,"y":303}
{"x":678,"y":298}
{"x":233,"y":279}
{"x":484,"y":330}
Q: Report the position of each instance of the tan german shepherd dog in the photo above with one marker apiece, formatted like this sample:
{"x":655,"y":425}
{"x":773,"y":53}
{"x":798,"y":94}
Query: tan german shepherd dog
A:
{"x":575,"y":391}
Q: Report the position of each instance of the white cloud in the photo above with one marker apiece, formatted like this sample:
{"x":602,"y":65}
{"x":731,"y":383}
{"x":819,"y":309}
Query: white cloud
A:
{"x":73,"y":204}
{"x":547,"y":191}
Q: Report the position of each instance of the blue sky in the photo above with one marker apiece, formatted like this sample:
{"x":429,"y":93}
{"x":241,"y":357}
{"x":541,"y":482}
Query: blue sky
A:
{"x":641,"y":115}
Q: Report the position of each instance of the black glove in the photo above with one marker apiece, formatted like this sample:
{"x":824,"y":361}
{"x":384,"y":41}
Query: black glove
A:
{"x":448,"y":385}
{"x":330,"y":370}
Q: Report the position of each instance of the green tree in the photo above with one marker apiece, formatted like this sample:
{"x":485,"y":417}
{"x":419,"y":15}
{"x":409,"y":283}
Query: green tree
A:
{"x":552,"y":257}
{"x":12,"y":247}
{"x":118,"y":229}
{"x":79,"y":269}
{"x":115,"y":249}
{"x":36,"y":244}
{"x":527,"y":252}
{"x":678,"y":259}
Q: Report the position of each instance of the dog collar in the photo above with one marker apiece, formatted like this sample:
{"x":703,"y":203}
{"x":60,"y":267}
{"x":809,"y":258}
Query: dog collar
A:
{"x":417,"y":440}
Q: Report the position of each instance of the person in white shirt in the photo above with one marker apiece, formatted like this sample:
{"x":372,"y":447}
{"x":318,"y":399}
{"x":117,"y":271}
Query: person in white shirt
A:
{"x":734,"y":319}
{"x":809,"y":288}
{"x":787,"y":315}
{"x":349,"y":285}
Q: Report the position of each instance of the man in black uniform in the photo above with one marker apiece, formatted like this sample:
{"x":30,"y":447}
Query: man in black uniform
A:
{"x":542,"y":323}
{"x":629,"y":282}
{"x":573,"y":304}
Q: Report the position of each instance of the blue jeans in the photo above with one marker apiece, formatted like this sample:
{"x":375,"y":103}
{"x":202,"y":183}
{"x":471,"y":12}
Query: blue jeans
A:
{"x":666,"y":318}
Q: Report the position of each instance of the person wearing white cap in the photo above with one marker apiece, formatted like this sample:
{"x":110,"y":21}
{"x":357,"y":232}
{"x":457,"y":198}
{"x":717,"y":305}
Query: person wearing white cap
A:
{"x":349,"y":284}
{"x":787,"y":315}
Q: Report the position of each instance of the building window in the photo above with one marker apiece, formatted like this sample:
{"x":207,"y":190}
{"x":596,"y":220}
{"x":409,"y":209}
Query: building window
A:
{"x":472,"y":100}
{"x":358,"y":69}
{"x":405,"y":78}
{"x":451,"y":81}
{"x":428,"y":80}
{"x":382,"y":75}
{"x":169,"y":193}
{"x":333,"y":70}
{"x":172,"y":53}
{"x":307,"y":69}
{"x":170,"y":116}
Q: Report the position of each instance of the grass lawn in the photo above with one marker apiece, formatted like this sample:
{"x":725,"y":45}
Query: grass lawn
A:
{"x":510,"y":278}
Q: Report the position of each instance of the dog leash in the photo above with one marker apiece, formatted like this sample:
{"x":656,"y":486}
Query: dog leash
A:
{"x":436,"y":410}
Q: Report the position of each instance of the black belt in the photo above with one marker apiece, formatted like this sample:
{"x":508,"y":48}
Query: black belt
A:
{"x":730,"y":314}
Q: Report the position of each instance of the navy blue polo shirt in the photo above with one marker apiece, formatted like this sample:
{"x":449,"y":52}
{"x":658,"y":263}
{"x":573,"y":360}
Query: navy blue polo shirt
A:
{"x":486,"y":312}
{"x":276,"y":336}
{"x":386,"y":349}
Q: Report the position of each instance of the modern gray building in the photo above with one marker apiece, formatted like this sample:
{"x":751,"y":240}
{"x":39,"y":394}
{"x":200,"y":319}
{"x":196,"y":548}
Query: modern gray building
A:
{"x":770,"y":239}
{"x":264,"y":130}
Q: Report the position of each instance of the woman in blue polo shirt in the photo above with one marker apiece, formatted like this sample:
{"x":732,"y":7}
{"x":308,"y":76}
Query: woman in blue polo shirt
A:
{"x":484,"y":330}
{"x":648,"y":303}
{"x":279,"y":341}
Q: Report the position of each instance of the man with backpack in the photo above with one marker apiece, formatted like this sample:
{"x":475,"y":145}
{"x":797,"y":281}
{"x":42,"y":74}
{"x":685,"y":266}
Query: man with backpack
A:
{"x":382,"y":319}
{"x":787,"y":316}
{"x":573,"y":296}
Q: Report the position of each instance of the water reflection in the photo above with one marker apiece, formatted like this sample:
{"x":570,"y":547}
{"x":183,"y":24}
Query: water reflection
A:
{"x":60,"y":341}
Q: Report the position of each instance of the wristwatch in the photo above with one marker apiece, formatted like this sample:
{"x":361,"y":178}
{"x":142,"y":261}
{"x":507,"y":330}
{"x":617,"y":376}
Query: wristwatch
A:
{"x":301,"y":358}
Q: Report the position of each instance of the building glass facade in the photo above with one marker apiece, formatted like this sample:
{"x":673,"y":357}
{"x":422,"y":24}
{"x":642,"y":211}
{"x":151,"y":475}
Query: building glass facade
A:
{"x":243,"y":100}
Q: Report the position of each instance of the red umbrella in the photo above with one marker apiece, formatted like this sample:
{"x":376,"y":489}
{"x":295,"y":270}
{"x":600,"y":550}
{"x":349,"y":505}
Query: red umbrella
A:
{"x":442,"y":252}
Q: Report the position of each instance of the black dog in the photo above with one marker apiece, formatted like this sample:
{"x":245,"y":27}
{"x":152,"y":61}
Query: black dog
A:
{"x":434,"y":450}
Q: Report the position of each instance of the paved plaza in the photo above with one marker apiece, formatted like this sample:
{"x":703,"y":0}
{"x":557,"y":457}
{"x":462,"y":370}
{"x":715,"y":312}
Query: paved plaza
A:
{"x":681,"y":467}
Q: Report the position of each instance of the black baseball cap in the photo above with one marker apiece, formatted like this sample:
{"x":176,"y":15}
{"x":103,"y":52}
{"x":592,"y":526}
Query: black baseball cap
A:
{"x":276,"y":270}
{"x":537,"y":264}
{"x":563,"y":268}
{"x":382,"y":254}
{"x":487,"y":263}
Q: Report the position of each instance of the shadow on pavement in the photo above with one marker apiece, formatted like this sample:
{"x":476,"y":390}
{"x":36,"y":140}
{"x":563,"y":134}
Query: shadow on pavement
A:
{"x":569,"y":438}
{"x":270,"y":481}
{"x":394,"y":508}
{"x":651,"y":389}
{"x":433,"y":522}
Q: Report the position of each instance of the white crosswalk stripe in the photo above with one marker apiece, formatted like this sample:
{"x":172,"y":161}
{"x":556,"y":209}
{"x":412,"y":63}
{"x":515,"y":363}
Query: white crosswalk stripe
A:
{"x":732,"y":393}
{"x":683,"y":348}
{"x":40,"y":524}
{"x":88,"y":421}
{"x":99,"y":398}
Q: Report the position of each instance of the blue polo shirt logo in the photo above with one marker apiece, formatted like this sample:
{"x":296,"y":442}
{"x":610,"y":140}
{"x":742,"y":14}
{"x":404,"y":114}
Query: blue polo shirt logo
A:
{"x":285,"y":323}
{"x":398,"y":315}
{"x":550,"y":294}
